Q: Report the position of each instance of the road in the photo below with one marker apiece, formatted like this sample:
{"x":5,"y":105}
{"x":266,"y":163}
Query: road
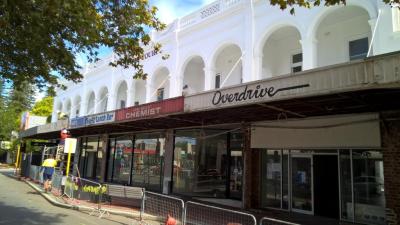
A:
{"x":22,"y":205}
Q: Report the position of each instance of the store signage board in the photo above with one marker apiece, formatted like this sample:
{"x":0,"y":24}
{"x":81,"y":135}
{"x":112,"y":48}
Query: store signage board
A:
{"x":107,"y":117}
{"x":77,"y":122}
{"x":240,"y":95}
{"x":150,"y":110}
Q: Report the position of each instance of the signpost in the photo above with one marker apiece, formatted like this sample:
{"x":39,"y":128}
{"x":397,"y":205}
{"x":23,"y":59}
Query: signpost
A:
{"x":69,"y":147}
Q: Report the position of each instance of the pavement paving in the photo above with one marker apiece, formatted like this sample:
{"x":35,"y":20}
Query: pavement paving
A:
{"x":20,"y":204}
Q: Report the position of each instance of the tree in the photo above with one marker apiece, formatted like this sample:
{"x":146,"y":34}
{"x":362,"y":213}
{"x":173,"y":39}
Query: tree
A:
{"x":43,"y":107}
{"x":284,"y":4}
{"x":39,"y":39}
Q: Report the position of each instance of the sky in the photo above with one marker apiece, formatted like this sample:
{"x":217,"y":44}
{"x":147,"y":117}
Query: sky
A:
{"x":168,"y":11}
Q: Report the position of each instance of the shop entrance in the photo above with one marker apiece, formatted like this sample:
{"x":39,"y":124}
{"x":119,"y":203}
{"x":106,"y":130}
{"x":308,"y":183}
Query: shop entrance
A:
{"x":326,"y":186}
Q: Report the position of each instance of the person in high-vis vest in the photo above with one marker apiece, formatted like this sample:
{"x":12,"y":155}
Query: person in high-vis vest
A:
{"x":48,"y":170}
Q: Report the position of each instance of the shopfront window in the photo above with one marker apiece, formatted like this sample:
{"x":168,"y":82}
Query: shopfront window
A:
{"x":275,"y":178}
{"x":148,"y":161}
{"x":122,"y":160}
{"x":200,"y":163}
{"x":369,"y":196}
{"x":88,"y":162}
{"x":110,"y":157}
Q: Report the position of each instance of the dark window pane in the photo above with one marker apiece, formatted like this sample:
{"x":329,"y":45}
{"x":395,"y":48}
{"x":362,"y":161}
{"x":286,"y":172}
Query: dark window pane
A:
{"x":358,"y":49}
{"x":217,"y":80}
{"x":160,"y":94}
{"x":297,"y":58}
{"x":296,"y":69}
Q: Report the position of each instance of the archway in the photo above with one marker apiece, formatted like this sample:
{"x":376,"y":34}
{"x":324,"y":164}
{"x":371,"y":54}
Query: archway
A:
{"x":193,"y":75}
{"x":122,"y":95}
{"x":343,"y":34}
{"x":103,"y":100}
{"x":228,"y":66}
{"x":91,"y":104}
{"x":282,"y":53}
{"x":160,"y":85}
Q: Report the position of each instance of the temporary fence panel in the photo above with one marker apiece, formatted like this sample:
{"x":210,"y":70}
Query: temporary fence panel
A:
{"x":202,"y":214}
{"x":35,"y":173}
{"x":56,"y":182}
{"x":70,"y":187}
{"x":163,"y":206}
{"x":85,"y":192}
{"x":271,"y":221}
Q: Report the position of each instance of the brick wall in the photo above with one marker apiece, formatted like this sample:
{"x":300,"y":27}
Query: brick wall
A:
{"x":390,"y":135}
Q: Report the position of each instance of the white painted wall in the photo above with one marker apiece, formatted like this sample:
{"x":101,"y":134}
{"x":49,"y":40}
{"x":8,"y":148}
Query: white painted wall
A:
{"x":206,"y":33}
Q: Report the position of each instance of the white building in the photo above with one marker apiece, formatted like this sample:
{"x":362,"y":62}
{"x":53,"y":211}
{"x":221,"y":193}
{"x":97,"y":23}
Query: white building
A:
{"x":326,"y":144}
{"x":230,"y":42}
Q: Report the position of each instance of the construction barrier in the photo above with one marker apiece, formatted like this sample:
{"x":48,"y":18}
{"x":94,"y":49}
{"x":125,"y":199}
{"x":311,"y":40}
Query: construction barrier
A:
{"x":56,"y":182}
{"x":35,"y":173}
{"x":84,"y":192}
{"x":202,"y":214}
{"x":271,"y":221}
{"x":162,"y":206}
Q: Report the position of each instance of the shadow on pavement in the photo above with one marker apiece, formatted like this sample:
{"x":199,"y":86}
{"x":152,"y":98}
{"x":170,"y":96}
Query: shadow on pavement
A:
{"x":12,"y":215}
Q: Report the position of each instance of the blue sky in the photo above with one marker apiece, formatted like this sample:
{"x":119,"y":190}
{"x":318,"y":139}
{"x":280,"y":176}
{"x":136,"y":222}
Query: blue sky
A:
{"x":168,"y":11}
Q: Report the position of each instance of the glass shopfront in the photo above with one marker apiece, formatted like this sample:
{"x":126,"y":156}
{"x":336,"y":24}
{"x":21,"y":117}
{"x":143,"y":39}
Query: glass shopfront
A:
{"x":208,"y":163}
{"x":90,"y":157}
{"x":345,"y":184}
{"x":137,"y":160}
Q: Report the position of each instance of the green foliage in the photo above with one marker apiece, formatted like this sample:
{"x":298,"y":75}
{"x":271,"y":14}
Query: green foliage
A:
{"x":39,"y":39}
{"x":43,"y":107}
{"x":284,"y":4}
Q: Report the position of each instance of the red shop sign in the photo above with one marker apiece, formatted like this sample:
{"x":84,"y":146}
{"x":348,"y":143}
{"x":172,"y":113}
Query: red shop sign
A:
{"x":151,"y":110}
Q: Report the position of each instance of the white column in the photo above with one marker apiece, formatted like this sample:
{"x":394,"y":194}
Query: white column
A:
{"x":84,"y":105}
{"x":257,"y":63}
{"x":54,"y":117}
{"x":175,"y":84}
{"x":149,"y":91}
{"x":130,"y":96}
{"x":209,"y":79}
{"x":111,"y":101}
{"x":96,"y":105}
{"x":309,"y":48}
{"x":73,"y":110}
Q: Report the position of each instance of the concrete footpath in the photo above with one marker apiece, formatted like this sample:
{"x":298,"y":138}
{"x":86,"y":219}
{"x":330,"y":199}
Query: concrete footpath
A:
{"x":60,"y":202}
{"x":20,"y":204}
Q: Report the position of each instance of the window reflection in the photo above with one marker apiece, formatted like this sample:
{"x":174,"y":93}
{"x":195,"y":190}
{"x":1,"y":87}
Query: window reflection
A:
{"x":200,"y":163}
{"x":148,"y":161}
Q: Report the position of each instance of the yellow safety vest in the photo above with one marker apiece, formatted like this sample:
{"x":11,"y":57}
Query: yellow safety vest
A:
{"x":50,"y":163}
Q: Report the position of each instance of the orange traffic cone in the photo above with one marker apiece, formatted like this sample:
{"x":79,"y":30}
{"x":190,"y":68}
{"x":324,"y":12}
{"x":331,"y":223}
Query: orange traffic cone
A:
{"x":170,"y":220}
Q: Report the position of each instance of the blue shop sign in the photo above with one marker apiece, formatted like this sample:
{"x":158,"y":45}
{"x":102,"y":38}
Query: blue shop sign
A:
{"x":100,"y":118}
{"x":77,"y":122}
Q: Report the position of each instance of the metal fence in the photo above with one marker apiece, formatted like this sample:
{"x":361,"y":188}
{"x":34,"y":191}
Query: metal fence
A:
{"x":201,"y":214}
{"x":271,"y":221}
{"x":57,"y":183}
{"x":84,"y":192}
{"x":35,"y":173}
{"x":162,"y":206}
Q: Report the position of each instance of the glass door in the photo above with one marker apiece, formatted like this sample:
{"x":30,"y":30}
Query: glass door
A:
{"x":302,"y":184}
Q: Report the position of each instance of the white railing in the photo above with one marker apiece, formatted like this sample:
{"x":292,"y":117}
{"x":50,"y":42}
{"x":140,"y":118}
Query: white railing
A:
{"x":208,"y":11}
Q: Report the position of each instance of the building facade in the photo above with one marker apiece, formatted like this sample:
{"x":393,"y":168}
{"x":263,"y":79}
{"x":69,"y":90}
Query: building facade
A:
{"x":254,"y":105}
